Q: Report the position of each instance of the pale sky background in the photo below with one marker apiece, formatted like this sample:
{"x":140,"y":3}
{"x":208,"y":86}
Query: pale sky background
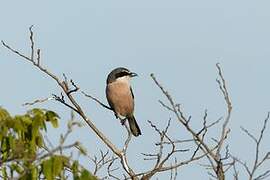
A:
{"x":179,"y":41}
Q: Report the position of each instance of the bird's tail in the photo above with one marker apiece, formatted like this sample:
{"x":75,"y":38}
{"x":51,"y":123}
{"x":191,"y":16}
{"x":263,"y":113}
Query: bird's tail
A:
{"x":134,"y":127}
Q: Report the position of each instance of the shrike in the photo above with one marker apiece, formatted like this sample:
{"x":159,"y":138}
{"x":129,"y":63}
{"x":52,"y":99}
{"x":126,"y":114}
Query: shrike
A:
{"x":120,"y":97}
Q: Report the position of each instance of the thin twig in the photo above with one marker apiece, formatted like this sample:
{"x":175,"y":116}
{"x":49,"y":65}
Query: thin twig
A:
{"x":74,"y":105}
{"x":37,"y":101}
{"x":98,"y":101}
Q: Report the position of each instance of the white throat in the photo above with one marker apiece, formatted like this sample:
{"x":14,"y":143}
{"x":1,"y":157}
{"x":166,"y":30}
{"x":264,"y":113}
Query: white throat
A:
{"x":124,"y":79}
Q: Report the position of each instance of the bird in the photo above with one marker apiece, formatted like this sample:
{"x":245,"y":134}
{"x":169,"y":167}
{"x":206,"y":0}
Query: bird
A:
{"x":121,"y":98}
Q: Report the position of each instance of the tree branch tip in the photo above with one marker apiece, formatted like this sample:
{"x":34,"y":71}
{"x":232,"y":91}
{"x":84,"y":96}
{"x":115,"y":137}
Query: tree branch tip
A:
{"x":64,"y":75}
{"x":30,"y":28}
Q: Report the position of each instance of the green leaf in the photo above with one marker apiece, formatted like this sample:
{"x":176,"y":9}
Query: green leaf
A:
{"x":38,"y":122}
{"x":57,"y":165}
{"x":75,"y":169}
{"x":86,"y":175}
{"x":44,"y":126}
{"x":4,"y":172}
{"x":47,"y":169}
{"x":21,"y":138}
{"x":9,"y":123}
{"x":82,"y":149}
{"x":4,"y":114}
{"x":39,"y":141}
{"x":37,"y":112}
{"x":18,"y":126}
{"x":11,"y":142}
{"x":53,"y":118}
{"x":26,"y":120}
{"x":17,"y":168}
{"x":34,"y":173}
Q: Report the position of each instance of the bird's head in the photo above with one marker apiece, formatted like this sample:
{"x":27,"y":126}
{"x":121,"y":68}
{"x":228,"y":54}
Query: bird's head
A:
{"x":120,"y":74}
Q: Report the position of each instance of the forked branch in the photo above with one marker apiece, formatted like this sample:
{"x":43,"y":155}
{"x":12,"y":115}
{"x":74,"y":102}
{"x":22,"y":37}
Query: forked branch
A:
{"x":68,"y":88}
{"x":213,"y":153}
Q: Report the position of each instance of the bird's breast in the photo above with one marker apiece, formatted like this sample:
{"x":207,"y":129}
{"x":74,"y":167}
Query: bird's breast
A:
{"x":120,"y":98}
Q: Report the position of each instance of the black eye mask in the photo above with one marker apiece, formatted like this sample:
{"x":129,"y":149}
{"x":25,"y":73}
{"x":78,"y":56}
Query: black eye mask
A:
{"x":121,"y":74}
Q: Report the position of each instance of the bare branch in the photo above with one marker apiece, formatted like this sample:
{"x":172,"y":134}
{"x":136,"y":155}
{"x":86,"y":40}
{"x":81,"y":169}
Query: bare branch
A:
{"x":99,"y":102}
{"x":199,"y":137}
{"x":58,"y":148}
{"x":102,"y":161}
{"x":223,"y":88}
{"x":32,"y":42}
{"x":129,"y":136}
{"x":75,"y":89}
{"x":216,"y":152}
{"x":235,"y":172}
{"x":37,"y":101}
{"x":15,"y":51}
{"x":257,"y":162}
{"x":181,"y":118}
{"x":38,"y":57}
{"x":75,"y":106}
{"x":110,"y":170}
{"x":249,"y":134}
{"x":263,"y":175}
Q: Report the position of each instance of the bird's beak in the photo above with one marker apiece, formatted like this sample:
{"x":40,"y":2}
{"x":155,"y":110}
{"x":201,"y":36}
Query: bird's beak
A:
{"x":133,"y":74}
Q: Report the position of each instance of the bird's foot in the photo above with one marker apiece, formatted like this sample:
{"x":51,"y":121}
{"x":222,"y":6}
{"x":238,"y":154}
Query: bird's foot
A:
{"x":123,"y":121}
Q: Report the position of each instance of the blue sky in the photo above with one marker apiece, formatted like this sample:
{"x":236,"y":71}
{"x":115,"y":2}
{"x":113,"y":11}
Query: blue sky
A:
{"x":179,"y":41}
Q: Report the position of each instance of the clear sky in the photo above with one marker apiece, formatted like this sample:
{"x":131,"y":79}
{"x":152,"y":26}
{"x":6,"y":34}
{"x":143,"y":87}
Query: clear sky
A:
{"x":179,"y":41}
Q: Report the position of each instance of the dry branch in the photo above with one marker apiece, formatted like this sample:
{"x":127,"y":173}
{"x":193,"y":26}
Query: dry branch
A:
{"x":212,"y":153}
{"x":165,"y":159}
{"x":258,"y":162}
{"x":68,"y":91}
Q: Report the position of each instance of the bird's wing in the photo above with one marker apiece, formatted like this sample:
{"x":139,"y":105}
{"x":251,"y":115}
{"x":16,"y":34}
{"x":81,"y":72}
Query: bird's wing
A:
{"x":132,"y":93}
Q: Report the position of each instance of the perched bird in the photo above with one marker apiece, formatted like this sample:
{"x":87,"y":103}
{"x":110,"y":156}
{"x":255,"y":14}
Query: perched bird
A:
{"x":120,"y":97}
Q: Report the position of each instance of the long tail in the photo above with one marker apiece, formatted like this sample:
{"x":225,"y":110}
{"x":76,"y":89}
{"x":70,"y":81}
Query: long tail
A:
{"x":134,"y":127}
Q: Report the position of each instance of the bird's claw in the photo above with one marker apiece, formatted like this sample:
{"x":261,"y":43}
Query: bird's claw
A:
{"x":123,"y":121}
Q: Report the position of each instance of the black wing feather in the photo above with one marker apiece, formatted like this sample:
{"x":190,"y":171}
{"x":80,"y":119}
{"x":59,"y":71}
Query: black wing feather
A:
{"x":132,"y":93}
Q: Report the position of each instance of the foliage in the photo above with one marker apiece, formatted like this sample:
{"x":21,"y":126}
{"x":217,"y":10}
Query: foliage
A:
{"x":24,"y":154}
